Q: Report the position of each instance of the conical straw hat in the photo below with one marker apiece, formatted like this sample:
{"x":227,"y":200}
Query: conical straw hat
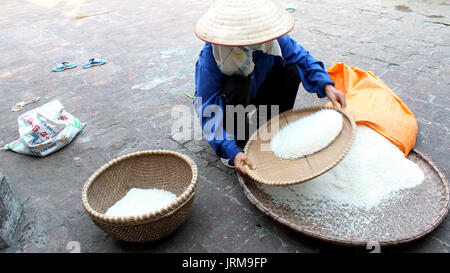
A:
{"x":243,"y":22}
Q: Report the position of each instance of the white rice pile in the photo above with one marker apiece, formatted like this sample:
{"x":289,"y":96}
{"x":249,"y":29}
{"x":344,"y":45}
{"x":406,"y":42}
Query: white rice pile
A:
{"x":374,"y":169}
{"x":141,"y":201}
{"x":307,"y":135}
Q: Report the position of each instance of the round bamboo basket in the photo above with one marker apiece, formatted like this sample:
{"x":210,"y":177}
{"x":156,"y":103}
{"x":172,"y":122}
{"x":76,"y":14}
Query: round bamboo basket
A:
{"x":160,"y":169}
{"x":417,"y":213}
{"x":272,"y":170}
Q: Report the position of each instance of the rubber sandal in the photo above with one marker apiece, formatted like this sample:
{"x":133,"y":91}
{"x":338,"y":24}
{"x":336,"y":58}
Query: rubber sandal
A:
{"x":63,"y":66}
{"x":227,"y":163}
{"x":94,"y":62}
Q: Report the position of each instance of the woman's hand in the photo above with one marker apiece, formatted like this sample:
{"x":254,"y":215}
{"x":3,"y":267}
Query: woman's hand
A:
{"x":335,"y":96}
{"x":240,"y":160}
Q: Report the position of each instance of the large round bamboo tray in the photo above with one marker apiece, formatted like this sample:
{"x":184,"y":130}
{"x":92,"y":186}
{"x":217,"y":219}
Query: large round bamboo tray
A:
{"x":160,"y":169}
{"x":418,"y":212}
{"x":272,"y":170}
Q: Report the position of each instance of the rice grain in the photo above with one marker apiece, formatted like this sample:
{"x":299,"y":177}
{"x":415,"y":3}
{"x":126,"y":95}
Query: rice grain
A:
{"x":373,"y":170}
{"x":141,"y":201}
{"x":307,"y":135}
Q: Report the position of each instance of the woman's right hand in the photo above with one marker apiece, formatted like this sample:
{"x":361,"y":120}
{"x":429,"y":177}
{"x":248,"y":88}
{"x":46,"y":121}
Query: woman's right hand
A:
{"x":240,"y":160}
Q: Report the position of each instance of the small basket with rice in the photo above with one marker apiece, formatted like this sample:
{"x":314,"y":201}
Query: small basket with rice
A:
{"x":166,"y":170}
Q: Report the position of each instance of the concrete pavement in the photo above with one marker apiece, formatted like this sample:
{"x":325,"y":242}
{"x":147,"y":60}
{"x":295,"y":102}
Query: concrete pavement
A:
{"x":127,"y":105}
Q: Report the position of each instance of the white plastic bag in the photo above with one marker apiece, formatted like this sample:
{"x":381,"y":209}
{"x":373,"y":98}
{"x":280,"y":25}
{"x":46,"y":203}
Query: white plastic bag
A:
{"x":45,"y":130}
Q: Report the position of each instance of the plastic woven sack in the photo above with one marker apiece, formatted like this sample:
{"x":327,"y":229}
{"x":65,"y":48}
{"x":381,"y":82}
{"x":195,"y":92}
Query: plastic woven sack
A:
{"x":373,"y":103}
{"x":45,"y":130}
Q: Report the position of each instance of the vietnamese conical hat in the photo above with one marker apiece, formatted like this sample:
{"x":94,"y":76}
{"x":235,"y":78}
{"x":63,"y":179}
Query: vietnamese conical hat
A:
{"x":243,"y":22}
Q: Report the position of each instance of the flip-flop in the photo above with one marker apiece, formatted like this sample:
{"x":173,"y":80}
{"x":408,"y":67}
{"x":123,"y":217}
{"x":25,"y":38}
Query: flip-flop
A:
{"x":63,"y":66}
{"x":94,"y":62}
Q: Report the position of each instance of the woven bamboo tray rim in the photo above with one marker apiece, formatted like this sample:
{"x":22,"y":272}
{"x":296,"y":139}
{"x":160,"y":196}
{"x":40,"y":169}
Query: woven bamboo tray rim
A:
{"x":435,"y":223}
{"x":316,"y":108}
{"x":168,"y":210}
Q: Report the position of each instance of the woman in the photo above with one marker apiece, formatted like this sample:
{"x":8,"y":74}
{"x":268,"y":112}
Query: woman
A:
{"x":248,"y":59}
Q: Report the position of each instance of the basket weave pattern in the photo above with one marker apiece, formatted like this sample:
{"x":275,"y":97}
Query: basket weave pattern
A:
{"x":272,"y":170}
{"x":434,"y":179}
{"x":161,"y":169}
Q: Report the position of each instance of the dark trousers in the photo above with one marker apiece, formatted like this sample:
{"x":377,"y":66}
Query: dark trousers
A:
{"x":279,"y":88}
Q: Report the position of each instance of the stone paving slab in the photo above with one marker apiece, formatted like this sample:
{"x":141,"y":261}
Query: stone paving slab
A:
{"x":128,"y":102}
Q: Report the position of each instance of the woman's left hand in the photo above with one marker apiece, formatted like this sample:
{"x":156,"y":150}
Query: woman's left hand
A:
{"x":335,"y":96}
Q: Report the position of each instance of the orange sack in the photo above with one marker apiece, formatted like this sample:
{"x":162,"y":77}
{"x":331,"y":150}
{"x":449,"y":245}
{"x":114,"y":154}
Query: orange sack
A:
{"x":370,"y":102}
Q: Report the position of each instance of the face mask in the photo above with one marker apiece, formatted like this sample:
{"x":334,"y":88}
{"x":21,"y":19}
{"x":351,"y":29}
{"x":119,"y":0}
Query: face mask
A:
{"x":238,"y":60}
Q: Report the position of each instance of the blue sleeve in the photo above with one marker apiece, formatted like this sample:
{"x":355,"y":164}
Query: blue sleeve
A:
{"x":209,"y":106}
{"x":312,"y":72}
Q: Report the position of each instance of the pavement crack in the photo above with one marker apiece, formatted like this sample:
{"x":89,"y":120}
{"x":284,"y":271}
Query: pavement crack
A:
{"x":432,"y":16}
{"x":325,"y":34}
{"x":112,"y":124}
{"x":389,"y":64}
{"x":392,"y":64}
{"x":438,"y":23}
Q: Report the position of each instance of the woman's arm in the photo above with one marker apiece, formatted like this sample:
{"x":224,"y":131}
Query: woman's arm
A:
{"x":312,"y":72}
{"x":209,"y":105}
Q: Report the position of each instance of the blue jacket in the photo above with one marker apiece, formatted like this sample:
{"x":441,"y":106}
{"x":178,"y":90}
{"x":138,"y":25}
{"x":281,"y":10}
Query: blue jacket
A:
{"x":208,"y":86}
